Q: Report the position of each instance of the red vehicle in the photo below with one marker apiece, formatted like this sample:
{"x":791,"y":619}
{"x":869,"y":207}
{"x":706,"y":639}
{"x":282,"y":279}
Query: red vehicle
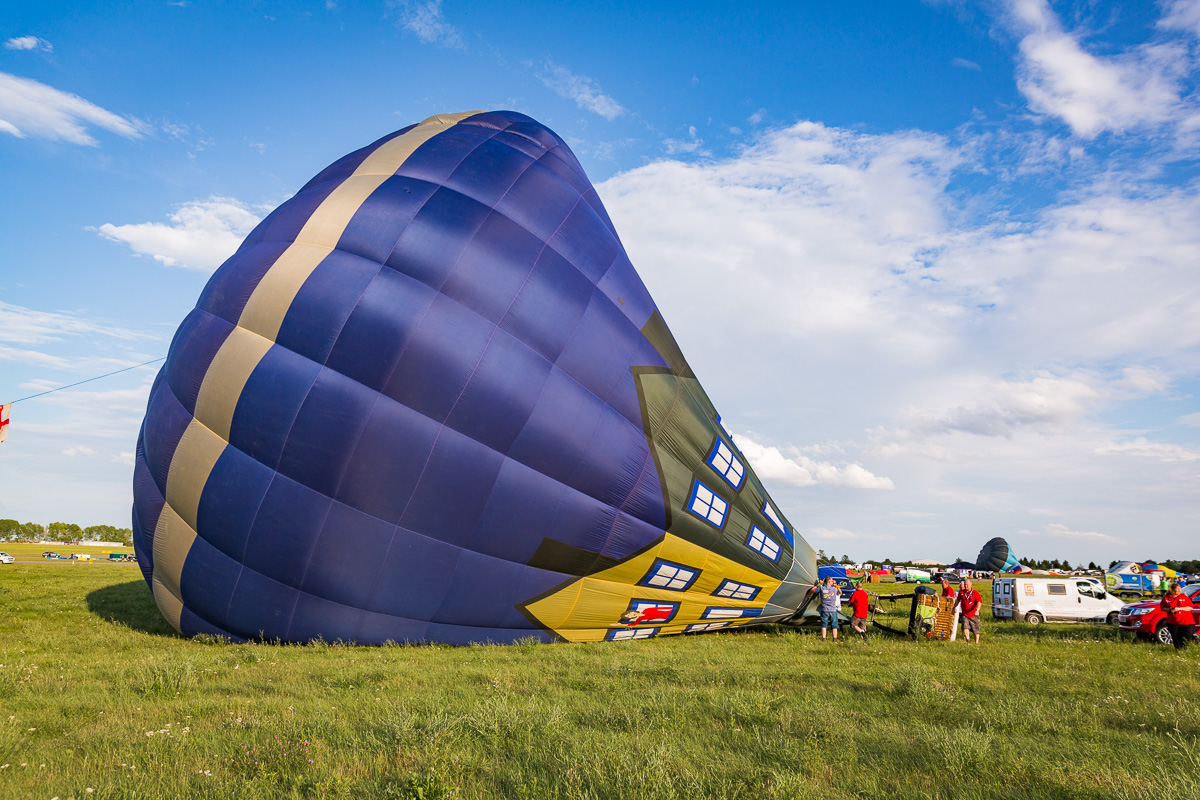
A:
{"x":1148,"y":621}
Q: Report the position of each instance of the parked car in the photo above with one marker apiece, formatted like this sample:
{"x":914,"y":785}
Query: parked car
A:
{"x":938,"y":577}
{"x":1148,"y":621}
{"x":5,"y":558}
{"x":1037,"y":600}
{"x":49,"y":554}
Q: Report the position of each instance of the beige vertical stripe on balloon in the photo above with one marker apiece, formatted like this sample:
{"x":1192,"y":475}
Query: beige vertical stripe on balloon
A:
{"x":226,"y":377}
{"x":170,"y":605}
{"x":271,"y":299}
{"x":197,"y":452}
{"x":207,"y":435}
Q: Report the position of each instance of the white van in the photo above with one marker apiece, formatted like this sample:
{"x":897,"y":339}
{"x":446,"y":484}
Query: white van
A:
{"x":1037,"y":600}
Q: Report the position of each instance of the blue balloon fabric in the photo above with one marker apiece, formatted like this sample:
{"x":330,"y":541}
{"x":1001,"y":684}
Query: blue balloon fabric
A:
{"x":430,"y":399}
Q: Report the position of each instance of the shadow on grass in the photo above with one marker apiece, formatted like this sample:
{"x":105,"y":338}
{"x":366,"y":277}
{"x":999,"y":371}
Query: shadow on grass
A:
{"x":130,"y":604}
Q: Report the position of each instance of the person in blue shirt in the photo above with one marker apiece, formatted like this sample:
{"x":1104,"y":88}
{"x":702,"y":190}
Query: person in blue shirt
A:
{"x":831,"y":602}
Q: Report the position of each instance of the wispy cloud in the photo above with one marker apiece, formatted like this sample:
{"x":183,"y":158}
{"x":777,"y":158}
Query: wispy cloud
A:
{"x":1057,"y":530}
{"x":200,"y":234}
{"x":1091,"y":93}
{"x":21,"y":325}
{"x":426,"y":22}
{"x":584,"y":91}
{"x":1047,"y":403}
{"x":691,"y":144}
{"x":32,"y":109}
{"x":29,"y":43}
{"x":963,"y":63}
{"x":843,"y":535}
{"x":1145,"y":448}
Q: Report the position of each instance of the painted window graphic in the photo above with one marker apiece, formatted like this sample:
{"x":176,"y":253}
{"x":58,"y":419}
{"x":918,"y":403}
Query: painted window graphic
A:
{"x":706,"y":626}
{"x":652,"y":611}
{"x":630,"y":633}
{"x":705,"y":504}
{"x":724,"y":430}
{"x":727,"y":464}
{"x":738,"y":591}
{"x":717,"y":612}
{"x":769,"y":512}
{"x":667,"y":575}
{"x":762,"y":543}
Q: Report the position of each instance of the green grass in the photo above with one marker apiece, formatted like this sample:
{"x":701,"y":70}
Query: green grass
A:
{"x":96,"y":691}
{"x":27,"y":550}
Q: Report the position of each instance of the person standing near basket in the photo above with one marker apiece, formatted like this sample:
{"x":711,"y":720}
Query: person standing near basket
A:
{"x":860,"y":602}
{"x":831,"y":602}
{"x":969,"y":600}
{"x":1180,"y":615}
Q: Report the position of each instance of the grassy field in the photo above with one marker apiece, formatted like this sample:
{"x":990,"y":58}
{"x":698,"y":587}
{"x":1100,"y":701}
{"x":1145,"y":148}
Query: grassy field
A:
{"x":100,"y":699}
{"x":23,"y":551}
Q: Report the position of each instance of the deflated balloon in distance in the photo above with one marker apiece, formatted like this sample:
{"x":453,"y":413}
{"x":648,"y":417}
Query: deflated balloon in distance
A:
{"x":996,"y":557}
{"x":429,"y":399}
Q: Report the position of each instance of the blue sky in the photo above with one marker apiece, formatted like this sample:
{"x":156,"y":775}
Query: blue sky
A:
{"x":936,"y":262}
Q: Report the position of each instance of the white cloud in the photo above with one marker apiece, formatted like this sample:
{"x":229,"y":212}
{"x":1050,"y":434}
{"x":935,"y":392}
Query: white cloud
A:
{"x":1093,"y":94}
{"x":999,"y":408}
{"x":1144,"y":448}
{"x":124,"y":458}
{"x":29,"y":43}
{"x":692,"y":144}
{"x":21,"y":325}
{"x":1059,"y":531}
{"x":29,"y":108}
{"x":770,"y":464}
{"x":963,"y":63}
{"x":78,"y":450}
{"x":425,"y":20}
{"x":1181,"y":15}
{"x":841,"y":534}
{"x":584,"y":91}
{"x":200,"y":235}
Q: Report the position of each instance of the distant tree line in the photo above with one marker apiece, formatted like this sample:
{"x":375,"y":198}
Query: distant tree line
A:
{"x":1186,"y":567}
{"x":13,"y":531}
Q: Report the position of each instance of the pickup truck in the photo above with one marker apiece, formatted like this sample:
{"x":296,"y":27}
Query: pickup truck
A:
{"x":1148,"y":621}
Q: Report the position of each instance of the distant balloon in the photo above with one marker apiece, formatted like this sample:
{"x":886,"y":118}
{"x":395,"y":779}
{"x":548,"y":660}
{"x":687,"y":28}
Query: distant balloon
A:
{"x":430,"y":399}
{"x":996,"y":557}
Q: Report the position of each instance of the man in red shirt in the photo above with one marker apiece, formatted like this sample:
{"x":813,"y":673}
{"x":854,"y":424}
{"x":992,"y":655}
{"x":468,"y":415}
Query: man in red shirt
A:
{"x":1180,"y":616}
{"x":947,"y":589}
{"x":969,"y":601}
{"x":860,"y":602}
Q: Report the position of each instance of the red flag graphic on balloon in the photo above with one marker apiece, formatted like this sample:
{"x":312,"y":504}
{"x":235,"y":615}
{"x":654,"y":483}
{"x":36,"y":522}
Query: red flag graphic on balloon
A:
{"x":4,"y":421}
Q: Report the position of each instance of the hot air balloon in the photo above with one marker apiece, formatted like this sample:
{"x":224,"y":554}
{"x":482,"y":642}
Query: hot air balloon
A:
{"x":996,"y":557}
{"x":430,"y":399}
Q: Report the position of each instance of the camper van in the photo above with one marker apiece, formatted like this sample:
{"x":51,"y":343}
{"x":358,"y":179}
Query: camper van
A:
{"x":1037,"y":600}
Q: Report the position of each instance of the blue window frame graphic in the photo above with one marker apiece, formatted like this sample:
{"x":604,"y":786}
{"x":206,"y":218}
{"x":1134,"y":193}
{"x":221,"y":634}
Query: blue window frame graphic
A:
{"x":724,"y":430}
{"x":726,"y":464}
{"x":625,"y":634}
{"x":771,"y":514}
{"x":737,"y":591}
{"x":707,"y":505}
{"x":760,"y":542}
{"x":670,"y":576}
{"x":639,"y":605}
{"x":721,"y":612}
{"x":697,"y":627}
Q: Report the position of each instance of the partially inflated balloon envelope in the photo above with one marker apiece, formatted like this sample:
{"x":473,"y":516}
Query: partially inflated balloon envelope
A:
{"x":429,"y":399}
{"x":996,"y":557}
